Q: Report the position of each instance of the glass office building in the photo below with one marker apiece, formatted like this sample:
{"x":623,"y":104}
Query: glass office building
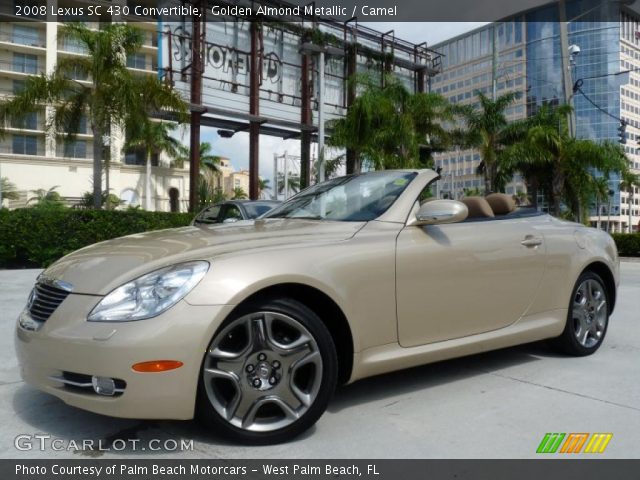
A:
{"x":529,"y":61}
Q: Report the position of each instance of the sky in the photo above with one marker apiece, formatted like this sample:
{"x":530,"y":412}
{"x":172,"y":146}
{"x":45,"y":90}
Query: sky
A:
{"x":237,"y":147}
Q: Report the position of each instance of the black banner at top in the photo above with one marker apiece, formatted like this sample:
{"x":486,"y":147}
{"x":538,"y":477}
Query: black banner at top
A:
{"x":306,"y":10}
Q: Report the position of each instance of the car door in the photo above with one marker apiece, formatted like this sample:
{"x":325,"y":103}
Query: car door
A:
{"x":455,"y":280}
{"x":230,"y":213}
{"x":208,"y":215}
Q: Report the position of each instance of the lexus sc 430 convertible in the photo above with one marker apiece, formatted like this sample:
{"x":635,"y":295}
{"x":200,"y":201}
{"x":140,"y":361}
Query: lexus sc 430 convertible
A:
{"x":250,"y":326}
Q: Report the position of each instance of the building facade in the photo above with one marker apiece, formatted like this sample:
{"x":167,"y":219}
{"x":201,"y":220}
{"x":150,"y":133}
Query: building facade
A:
{"x":528,"y":60}
{"x":33,"y":158}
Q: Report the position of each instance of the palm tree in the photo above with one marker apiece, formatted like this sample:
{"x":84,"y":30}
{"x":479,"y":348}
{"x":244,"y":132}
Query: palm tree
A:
{"x":389,"y":127}
{"x":153,"y":138}
{"x":208,"y":161}
{"x":628,"y":182}
{"x":600,"y":193}
{"x":331,"y":167}
{"x":292,"y":184}
{"x":8,"y":190}
{"x":112,"y":95}
{"x":109,"y":200}
{"x":209,"y":185}
{"x":263,"y":184}
{"x":490,"y":132}
{"x":239,"y":194}
{"x":561,"y":163}
{"x":46,"y":198}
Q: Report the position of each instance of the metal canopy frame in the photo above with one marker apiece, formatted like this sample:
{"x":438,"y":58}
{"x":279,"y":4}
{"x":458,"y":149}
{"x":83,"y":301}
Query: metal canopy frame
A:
{"x":355,"y":39}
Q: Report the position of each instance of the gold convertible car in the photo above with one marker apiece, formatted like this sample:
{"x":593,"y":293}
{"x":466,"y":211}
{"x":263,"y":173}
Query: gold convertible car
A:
{"x":250,"y":326}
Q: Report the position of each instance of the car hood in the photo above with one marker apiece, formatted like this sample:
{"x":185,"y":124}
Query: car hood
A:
{"x":99,"y":268}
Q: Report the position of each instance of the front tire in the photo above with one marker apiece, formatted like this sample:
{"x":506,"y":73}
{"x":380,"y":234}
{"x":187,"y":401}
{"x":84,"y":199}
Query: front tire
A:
{"x":268,"y":374}
{"x":588,"y":317}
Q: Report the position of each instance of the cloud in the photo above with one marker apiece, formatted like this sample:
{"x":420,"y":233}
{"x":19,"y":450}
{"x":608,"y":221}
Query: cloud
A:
{"x":430,"y":32}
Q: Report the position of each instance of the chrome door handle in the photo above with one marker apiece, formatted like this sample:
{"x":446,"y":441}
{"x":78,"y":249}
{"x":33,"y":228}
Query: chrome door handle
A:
{"x":530,"y":241}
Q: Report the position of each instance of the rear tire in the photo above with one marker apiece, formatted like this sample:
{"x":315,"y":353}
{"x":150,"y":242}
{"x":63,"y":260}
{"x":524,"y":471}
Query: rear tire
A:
{"x":588,"y":317}
{"x":268,"y":374}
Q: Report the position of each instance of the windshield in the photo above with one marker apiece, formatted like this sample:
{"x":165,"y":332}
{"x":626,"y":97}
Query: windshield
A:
{"x":254,"y":210}
{"x":354,"y":198}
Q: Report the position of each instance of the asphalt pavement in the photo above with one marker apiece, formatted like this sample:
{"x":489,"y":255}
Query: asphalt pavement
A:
{"x":494,"y":405}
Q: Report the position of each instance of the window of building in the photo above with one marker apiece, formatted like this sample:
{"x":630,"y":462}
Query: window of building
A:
{"x":29,"y":121}
{"x":18,"y":86}
{"x":139,"y":157}
{"x":81,"y":127}
{"x":518,"y":35}
{"x":25,"y":144}
{"x":137,"y":60}
{"x":25,"y":63}
{"x":25,"y":35}
{"x":77,"y":74}
{"x":75,"y":149}
{"x":73,"y":45}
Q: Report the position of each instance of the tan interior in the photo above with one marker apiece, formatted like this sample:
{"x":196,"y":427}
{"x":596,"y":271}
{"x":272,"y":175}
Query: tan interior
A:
{"x":501,"y":203}
{"x":478,"y":207}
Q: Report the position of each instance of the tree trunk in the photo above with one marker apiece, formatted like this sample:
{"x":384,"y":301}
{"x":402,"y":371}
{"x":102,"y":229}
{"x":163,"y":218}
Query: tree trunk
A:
{"x":147,"y":184}
{"x":532,"y":190}
{"x":487,"y":179}
{"x":352,"y":159}
{"x":97,"y":166}
{"x":557,"y":184}
{"x":107,"y":166}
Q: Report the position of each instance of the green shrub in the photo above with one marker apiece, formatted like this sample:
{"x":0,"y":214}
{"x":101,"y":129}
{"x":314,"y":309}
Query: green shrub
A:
{"x":628,"y":244}
{"x":37,"y":237}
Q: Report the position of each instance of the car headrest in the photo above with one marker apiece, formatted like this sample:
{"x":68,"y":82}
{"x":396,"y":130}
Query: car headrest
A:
{"x":478,"y":207}
{"x":501,"y":203}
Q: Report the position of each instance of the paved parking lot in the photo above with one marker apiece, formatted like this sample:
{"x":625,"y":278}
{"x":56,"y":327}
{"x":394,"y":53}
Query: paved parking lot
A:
{"x":493,"y":405}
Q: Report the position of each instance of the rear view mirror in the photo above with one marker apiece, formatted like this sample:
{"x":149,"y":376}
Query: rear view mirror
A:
{"x":441,"y":211}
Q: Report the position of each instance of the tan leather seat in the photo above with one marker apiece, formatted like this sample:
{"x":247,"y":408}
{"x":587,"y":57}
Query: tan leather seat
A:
{"x":478,"y":207}
{"x":501,"y":203}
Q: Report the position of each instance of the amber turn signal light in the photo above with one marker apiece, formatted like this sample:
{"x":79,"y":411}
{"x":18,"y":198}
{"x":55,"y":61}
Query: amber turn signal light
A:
{"x":157,"y":366}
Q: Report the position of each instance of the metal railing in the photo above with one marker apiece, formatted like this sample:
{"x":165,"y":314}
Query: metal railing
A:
{"x":20,"y":39}
{"x":13,"y":66}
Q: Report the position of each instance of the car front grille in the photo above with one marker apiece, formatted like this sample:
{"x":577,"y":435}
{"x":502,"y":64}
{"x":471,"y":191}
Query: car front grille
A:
{"x":44,"y":300}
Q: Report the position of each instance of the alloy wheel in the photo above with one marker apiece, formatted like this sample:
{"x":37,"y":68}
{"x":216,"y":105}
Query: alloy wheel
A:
{"x":263,"y":371}
{"x":589,"y":313}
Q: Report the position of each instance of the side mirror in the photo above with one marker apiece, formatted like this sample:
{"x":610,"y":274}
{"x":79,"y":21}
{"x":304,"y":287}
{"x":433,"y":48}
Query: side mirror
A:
{"x":441,"y":211}
{"x":230,"y":220}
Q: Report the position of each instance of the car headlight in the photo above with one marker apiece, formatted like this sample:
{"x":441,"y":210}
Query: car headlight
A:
{"x":150,"y":294}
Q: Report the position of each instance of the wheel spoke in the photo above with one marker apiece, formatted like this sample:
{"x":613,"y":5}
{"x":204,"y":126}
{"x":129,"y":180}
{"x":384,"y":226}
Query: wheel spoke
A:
{"x":600,"y":305}
{"x":289,"y":412}
{"x":287,"y":394}
{"x":212,"y":373}
{"x":217,"y":352}
{"x":590,"y":291}
{"x":245,"y":408}
{"x":583,"y":336}
{"x":258,"y":334}
{"x":276,"y":344}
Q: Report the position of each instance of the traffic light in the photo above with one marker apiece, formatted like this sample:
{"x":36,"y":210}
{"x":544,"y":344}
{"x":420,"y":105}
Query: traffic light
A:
{"x":622,"y":132}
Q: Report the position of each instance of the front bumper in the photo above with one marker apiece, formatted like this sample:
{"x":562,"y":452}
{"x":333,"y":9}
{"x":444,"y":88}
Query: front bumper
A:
{"x":67,"y":342}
